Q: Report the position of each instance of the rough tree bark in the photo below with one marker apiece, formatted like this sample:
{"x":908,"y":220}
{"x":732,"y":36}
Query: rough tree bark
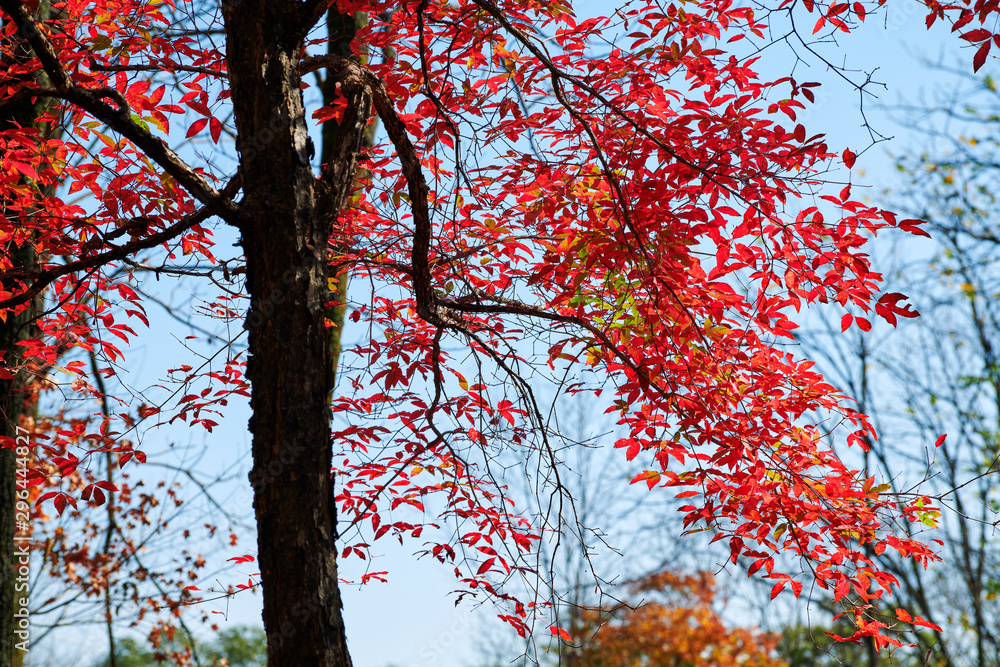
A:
{"x":288,"y":215}
{"x":15,"y":403}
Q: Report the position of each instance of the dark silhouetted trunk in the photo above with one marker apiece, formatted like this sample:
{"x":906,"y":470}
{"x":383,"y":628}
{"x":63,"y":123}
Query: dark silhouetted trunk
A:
{"x":289,"y":214}
{"x":16,"y":403}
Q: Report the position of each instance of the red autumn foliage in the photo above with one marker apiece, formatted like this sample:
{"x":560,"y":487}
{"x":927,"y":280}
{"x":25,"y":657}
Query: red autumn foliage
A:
{"x":648,"y":216}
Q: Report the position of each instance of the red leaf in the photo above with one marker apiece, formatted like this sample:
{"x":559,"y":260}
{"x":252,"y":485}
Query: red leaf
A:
{"x":560,"y":633}
{"x":633,"y":450}
{"x":977,"y":35}
{"x":200,"y":108}
{"x":651,"y":477}
{"x":157,"y":95}
{"x":196,"y":127}
{"x":845,"y":322}
{"x":919,"y":620}
{"x":215,"y":127}
{"x":911,"y":227}
{"x":849,"y":158}
{"x":940,"y":440}
{"x":904,"y":616}
{"x":777,"y":588}
{"x":863,"y":324}
{"x":842,"y":589}
{"x":980,"y":58}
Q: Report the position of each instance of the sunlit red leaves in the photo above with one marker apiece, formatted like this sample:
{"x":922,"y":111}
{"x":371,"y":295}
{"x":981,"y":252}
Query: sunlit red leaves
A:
{"x":196,"y":127}
{"x":905,"y":617}
{"x":650,"y":477}
{"x":603,"y":234}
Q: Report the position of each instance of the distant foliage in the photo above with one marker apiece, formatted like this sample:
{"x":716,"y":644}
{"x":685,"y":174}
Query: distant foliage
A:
{"x":675,"y":624}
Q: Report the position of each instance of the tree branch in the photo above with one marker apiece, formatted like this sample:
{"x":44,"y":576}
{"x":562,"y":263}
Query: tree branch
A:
{"x":170,"y":68}
{"x":415,"y":182}
{"x":93,"y":101}
{"x":43,"y":278}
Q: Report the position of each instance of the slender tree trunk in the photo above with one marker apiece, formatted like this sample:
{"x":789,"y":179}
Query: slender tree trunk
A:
{"x":11,"y":582}
{"x":109,"y":509}
{"x":8,"y":571}
{"x":16,"y":403}
{"x":341,"y":29}
{"x":288,"y":221}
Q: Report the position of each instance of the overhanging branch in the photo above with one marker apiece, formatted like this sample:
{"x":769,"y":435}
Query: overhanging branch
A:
{"x":118,"y":118}
{"x":44,"y":278}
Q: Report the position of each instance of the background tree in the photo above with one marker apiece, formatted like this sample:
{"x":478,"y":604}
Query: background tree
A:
{"x":669,"y":621}
{"x":238,"y":646}
{"x":602,"y":534}
{"x":615,"y":569}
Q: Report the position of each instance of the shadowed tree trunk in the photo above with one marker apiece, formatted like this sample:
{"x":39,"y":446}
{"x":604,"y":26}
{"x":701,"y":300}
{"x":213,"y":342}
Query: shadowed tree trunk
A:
{"x":15,"y":403}
{"x":287,"y":222}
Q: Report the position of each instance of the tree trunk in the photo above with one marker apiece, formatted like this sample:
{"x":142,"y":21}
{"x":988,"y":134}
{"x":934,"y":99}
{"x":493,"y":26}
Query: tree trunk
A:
{"x":285,"y":236}
{"x":13,"y":401}
{"x":15,"y":404}
{"x":341,"y":30}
